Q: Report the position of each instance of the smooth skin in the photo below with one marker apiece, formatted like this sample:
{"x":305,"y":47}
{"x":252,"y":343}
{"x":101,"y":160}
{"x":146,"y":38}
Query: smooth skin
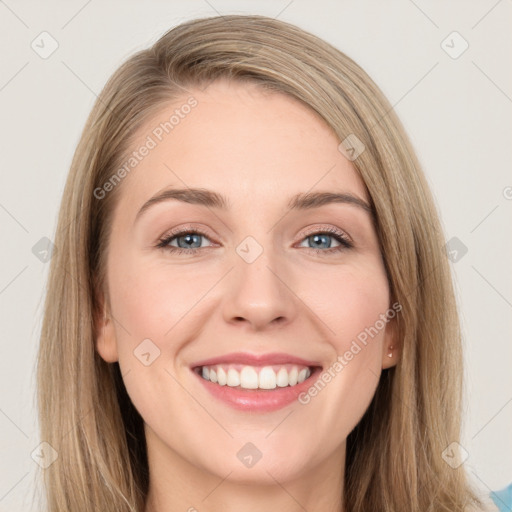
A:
{"x":258,"y":149}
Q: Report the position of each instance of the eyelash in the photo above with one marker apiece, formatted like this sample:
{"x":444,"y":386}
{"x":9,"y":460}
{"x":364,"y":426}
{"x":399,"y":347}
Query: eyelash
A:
{"x":340,"y":237}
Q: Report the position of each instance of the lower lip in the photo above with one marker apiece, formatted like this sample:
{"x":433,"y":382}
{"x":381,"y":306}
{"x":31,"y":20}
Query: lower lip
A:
{"x":257,"y":399}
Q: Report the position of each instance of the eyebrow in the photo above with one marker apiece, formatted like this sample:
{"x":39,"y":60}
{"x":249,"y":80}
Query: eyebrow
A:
{"x":210,"y":199}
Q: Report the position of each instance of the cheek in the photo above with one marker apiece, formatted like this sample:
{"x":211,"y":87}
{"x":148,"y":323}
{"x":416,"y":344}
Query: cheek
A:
{"x":157,"y":310}
{"x":149,"y":299}
{"x":353,"y":303}
{"x":349,"y":300}
{"x":150,"y":305}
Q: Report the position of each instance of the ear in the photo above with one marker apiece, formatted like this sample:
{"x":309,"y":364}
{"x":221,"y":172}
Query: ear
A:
{"x":105,"y":336}
{"x":391,"y":347}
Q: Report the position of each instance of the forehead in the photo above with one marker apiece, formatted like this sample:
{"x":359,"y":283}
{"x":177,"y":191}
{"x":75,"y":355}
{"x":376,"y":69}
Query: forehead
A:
{"x":244,"y":142}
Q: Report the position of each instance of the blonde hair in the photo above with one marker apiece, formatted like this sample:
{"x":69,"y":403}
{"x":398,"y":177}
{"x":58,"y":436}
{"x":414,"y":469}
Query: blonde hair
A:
{"x":394,"y":455}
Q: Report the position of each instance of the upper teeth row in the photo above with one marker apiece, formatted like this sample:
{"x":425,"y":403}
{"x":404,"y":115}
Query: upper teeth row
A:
{"x":249,"y":378}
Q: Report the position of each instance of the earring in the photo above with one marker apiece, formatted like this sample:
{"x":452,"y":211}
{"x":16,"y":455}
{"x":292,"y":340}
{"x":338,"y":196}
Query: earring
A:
{"x":390,"y":353}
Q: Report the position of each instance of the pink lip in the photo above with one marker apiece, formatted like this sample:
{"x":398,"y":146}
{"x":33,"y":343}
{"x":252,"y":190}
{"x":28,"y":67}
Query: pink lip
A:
{"x":256,"y":359}
{"x":256,"y":400}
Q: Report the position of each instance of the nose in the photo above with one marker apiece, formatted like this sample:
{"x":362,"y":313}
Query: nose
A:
{"x":259,"y":294}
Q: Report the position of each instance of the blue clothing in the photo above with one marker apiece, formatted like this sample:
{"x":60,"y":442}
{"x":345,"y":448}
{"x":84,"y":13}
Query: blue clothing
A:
{"x":503,"y":499}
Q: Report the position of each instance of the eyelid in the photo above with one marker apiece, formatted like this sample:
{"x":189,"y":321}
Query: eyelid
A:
{"x":309,"y":231}
{"x":188,"y":228}
{"x":328,"y":229}
{"x":344,"y":239}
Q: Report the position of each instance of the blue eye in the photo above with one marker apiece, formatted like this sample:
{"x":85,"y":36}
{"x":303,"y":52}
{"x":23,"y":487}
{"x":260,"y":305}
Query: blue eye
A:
{"x":189,"y":241}
{"x":186,"y":240}
{"x":323,"y":239}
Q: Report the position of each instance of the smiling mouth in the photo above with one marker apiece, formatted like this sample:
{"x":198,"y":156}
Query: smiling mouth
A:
{"x":246,"y":377}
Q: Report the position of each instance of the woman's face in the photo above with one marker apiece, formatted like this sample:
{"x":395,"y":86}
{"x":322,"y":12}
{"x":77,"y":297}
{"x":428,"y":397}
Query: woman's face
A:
{"x":258,"y":297}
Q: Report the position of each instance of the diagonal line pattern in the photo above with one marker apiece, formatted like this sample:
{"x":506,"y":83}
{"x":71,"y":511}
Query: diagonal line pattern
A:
{"x":90,"y":89}
{"x":13,"y":423}
{"x":76,"y":424}
{"x":406,"y":405}
{"x":301,"y":300}
{"x":491,"y":285}
{"x":12,"y":280}
{"x":506,"y":403}
{"x":14,"y":76}
{"x":280,"y":423}
{"x":492,"y":211}
{"x":87,"y":291}
{"x":492,"y":81}
{"x":413,"y":87}
{"x":286,"y":491}
{"x":283,"y":9}
{"x":79,"y":78}
{"x":13,"y":13}
{"x":5,"y":495}
{"x":205,"y":294}
{"x":198,"y":402}
{"x":76,"y":14}
{"x":490,"y":490}
{"x":217,"y":486}
{"x":213,"y":7}
{"x":424,"y":14}
{"x":486,"y":14}
{"x":14,"y":218}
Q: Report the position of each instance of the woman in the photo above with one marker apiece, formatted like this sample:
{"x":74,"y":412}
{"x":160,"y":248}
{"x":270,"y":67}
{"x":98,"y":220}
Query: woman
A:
{"x":202,"y":349}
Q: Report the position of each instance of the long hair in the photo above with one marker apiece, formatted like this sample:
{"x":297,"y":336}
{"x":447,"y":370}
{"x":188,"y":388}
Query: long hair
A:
{"x":394,"y":456}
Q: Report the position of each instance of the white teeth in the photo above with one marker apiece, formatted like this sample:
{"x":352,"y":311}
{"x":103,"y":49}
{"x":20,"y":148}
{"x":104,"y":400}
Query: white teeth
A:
{"x":221,"y":376}
{"x":267,"y":378}
{"x":248,"y":378}
{"x":233,"y":378}
{"x":282,"y":378}
{"x":303,"y":375}
{"x":292,"y":376}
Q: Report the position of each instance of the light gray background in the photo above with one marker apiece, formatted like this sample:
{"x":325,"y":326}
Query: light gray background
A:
{"x":457,"y":112}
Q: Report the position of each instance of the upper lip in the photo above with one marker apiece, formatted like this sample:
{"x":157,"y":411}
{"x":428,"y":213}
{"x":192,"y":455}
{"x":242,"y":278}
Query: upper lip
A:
{"x":273,"y":358}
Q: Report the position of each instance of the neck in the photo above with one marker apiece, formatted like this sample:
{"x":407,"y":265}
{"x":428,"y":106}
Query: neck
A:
{"x":177,"y":485}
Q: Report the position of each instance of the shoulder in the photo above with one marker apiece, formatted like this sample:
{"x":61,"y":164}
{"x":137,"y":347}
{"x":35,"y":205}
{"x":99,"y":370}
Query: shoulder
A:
{"x":502,"y":499}
{"x":496,"y":501}
{"x":488,"y":505}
